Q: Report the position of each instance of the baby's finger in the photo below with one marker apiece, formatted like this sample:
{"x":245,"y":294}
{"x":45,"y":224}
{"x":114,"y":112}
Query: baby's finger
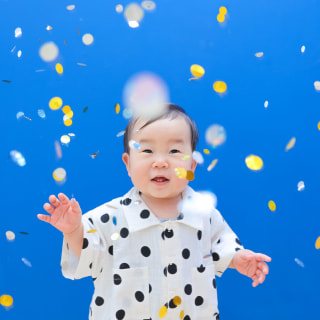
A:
{"x":75,"y":205}
{"x":44,"y":217}
{"x":48,"y":207}
{"x":63,"y":198}
{"x":255,"y":281}
{"x":263,"y":267}
{"x":262,"y":257}
{"x":54,"y":201}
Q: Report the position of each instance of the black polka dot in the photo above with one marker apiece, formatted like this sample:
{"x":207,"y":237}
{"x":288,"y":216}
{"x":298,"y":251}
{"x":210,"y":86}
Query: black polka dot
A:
{"x":99,"y":301}
{"x":67,"y":246}
{"x":90,"y":265}
{"x":139,"y":296}
{"x":237,"y":249}
{"x":201,"y":269}
{"x":165,"y":270}
{"x":199,"y":234}
{"x":116,"y":279}
{"x":124,"y":232}
{"x":120,"y":314}
{"x":186,"y":318}
{"x":210,"y":220}
{"x":145,"y":251}
{"x":181,"y":216}
{"x":198,"y":301}
{"x":215,"y":256}
{"x":85,"y":243}
{"x":110,"y":250}
{"x":105,"y":218}
{"x":144,"y":214}
{"x":124,"y":266}
{"x":162,"y":235}
{"x":94,"y":279}
{"x":214,"y":283}
{"x":172,"y":268}
{"x":219,"y":241}
{"x":188,"y":289}
{"x":90,"y":220}
{"x":168,"y":233}
{"x":171,"y":304}
{"x":186,"y":253}
{"x":238,"y":242}
{"x":150,"y":288}
{"x":126,"y":201}
{"x":216,"y":314}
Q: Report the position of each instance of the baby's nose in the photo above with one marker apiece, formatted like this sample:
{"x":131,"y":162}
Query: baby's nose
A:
{"x":160,"y":163}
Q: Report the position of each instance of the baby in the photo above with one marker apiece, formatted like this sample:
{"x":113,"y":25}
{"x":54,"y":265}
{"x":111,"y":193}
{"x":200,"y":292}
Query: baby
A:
{"x":153,"y":253}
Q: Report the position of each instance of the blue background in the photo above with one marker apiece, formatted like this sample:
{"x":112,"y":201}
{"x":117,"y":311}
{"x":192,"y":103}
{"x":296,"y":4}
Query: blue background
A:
{"x":169,"y":40}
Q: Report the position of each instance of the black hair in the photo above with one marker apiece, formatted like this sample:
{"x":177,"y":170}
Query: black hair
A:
{"x":173,"y":111}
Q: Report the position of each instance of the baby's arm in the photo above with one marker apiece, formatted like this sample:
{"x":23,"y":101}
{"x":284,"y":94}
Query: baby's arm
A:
{"x":251,"y":264}
{"x":65,"y":215}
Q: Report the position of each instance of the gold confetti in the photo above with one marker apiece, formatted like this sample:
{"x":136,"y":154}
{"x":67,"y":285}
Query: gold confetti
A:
{"x":318,"y":243}
{"x":187,"y":156}
{"x":49,"y":28}
{"x":67,"y":122}
{"x":291,"y":144}
{"x":206,"y":151}
{"x":272,"y":206}
{"x":55,"y":103}
{"x":181,"y":172}
{"x":59,"y":174}
{"x":66,"y":109}
{"x":59,"y":68}
{"x":92,"y":231}
{"x":6,"y":300}
{"x":212,"y":164}
{"x":176,"y":300}
{"x":163,"y":312}
{"x":94,"y":155}
{"x":220,"y":86}
{"x":221,"y":17}
{"x":110,"y":206}
{"x":254,"y":162}
{"x":69,"y":114}
{"x":81,"y":64}
{"x":197,"y":71}
{"x":223,"y":10}
{"x":319,"y":125}
{"x":117,"y":108}
{"x":181,"y":314}
{"x":65,"y":42}
{"x":190,"y":175}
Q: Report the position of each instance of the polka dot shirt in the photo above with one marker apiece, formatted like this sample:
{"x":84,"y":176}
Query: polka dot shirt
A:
{"x":144,"y":268}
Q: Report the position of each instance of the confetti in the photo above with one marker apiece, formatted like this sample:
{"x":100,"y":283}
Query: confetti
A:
{"x":317,"y":85}
{"x":272,"y":206}
{"x":48,"y":51}
{"x":254,"y":162}
{"x":220,"y":87}
{"x":92,"y":231}
{"x":85,"y":109}
{"x":212,"y":164}
{"x":65,"y":42}
{"x":71,"y":135}
{"x":121,"y":133}
{"x":221,"y":17}
{"x":119,"y":8}
{"x":66,"y":109}
{"x":127,"y":113}
{"x":7,"y":81}
{"x":19,"y":54}
{"x":65,"y":140}
{"x":23,"y":232}
{"x":133,"y":13}
{"x":303,"y":49}
{"x":206,"y":151}
{"x":301,"y":186}
{"x":115,"y":236}
{"x":190,"y":175}
{"x":59,"y":175}
{"x":94,"y":155}
{"x":197,"y":157}
{"x":10,"y":235}
{"x":117,"y":108}
{"x":176,"y":301}
{"x":58,"y":150}
{"x":69,"y":114}
{"x":13,"y":49}
{"x":163,"y":311}
{"x":259,"y":54}
{"x":78,"y":31}
{"x":299,"y":262}
{"x":49,"y":28}
{"x":87,"y":39}
{"x":111,"y":206}
{"x":291,"y":144}
{"x":134,"y":145}
{"x":59,"y":68}
{"x":41,"y":113}
{"x":70,"y":7}
{"x":181,"y":172}
{"x":18,"y":158}
{"x":215,"y":135}
{"x":186,"y":157}
{"x":67,"y":122}
{"x":26,"y":262}
{"x":197,"y":70}
{"x":6,"y":300}
{"x":317,"y":244}
{"x":223,"y":10}
{"x":318,"y":125}
{"x":181,"y":314}
{"x":18,"y":32}
{"x":266,"y":104}
{"x":19,"y":115}
{"x":148,"y":5}
{"x":81,"y":64}
{"x":55,"y":103}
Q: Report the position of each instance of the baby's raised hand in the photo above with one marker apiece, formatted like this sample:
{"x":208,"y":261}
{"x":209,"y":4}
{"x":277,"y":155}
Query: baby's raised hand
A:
{"x":65,"y":214}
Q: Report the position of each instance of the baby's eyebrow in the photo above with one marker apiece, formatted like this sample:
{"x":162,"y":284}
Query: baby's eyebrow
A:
{"x":170,"y":141}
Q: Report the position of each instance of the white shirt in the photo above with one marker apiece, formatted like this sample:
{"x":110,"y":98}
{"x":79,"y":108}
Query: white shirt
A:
{"x":147,"y":269}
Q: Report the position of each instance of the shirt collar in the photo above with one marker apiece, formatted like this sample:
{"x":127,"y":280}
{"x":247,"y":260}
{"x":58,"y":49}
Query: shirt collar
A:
{"x":136,"y":212}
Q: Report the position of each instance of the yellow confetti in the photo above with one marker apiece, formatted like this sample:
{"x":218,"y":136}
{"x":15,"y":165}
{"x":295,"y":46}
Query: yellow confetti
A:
{"x":254,"y":162}
{"x":181,"y":172}
{"x":212,"y":164}
{"x":186,"y":157}
{"x":220,"y":86}
{"x":190,"y":175}
{"x":55,"y":103}
{"x":318,"y":243}
{"x":319,"y":125}
{"x":272,"y":206}
{"x":206,"y":151}
{"x":6,"y":300}
{"x":59,"y":174}
{"x":223,"y":10}
{"x":92,"y":231}
{"x":117,"y":108}
{"x":49,"y":28}
{"x":197,"y":70}
{"x":221,"y":17}
{"x":176,"y":301}
{"x":69,"y":114}
{"x":181,"y":314}
{"x":66,"y":109}
{"x":59,"y":68}
{"x":163,"y":312}
{"x":291,"y":144}
{"x":67,"y":122}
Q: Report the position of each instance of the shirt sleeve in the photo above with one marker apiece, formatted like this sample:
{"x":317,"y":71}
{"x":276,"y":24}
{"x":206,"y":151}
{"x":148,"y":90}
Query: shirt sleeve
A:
{"x":92,"y":255}
{"x":224,"y":243}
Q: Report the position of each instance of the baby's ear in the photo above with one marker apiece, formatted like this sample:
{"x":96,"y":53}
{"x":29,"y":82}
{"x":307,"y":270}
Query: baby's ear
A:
{"x":125,"y":159}
{"x":193,"y":165}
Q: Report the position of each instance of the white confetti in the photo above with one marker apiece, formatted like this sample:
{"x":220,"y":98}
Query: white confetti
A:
{"x":299,"y":262}
{"x":301,"y":186}
{"x":26,"y":262}
{"x":18,"y":32}
{"x":303,"y":49}
{"x":266,"y":104}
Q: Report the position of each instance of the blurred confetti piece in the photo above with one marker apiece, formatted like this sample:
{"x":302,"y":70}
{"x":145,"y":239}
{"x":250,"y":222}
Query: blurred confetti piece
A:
{"x":67,"y":122}
{"x":85,"y":109}
{"x":6,"y":300}
{"x":66,"y":109}
{"x":121,"y":133}
{"x":41,"y":113}
{"x":57,"y":149}
{"x":212,"y":164}
{"x":87,"y":39}
{"x":119,"y":8}
{"x":272,"y":206}
{"x":206,"y":151}
{"x":303,"y":49}
{"x":49,"y":28}
{"x":133,"y":13}
{"x":317,"y":244}
{"x":65,"y":140}
{"x":221,"y":17}
{"x":197,"y":157}
{"x":220,"y":87}
{"x":18,"y":158}
{"x":318,"y":125}
{"x":71,"y":135}
{"x":190,"y":175}
{"x":115,"y":236}
{"x":127,"y":113}
{"x":69,"y":114}
{"x":19,"y":115}
{"x":26,"y":262}
{"x":23,"y":232}
{"x":148,"y":5}
{"x":259,"y":54}
{"x":78,"y":31}
{"x":7,"y":81}
{"x":186,"y":157}
{"x":163,"y":311}
{"x":301,"y":186}
{"x":19,"y":54}
{"x":18,"y":32}
{"x":55,"y":103}
{"x":10,"y":235}
{"x":92,"y":231}
{"x":291,"y":144}
{"x":114,"y":220}
{"x":134,"y":145}
{"x":65,"y":42}
{"x":266,"y":104}
{"x":14,"y":47}
{"x":215,"y":135}
{"x":254,"y":162}
{"x":117,"y":108}
{"x":48,"y":51}
{"x":59,"y":68}
{"x":94,"y":155}
{"x":59,"y":175}
{"x":81,"y":64}
{"x":181,"y":172}
{"x":197,"y":70}
{"x":223,"y":10}
{"x":70,"y":7}
{"x":317,"y":85}
{"x":299,"y":262}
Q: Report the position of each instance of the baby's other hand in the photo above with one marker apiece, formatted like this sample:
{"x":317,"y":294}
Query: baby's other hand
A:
{"x":251,"y":264}
{"x":65,"y":215}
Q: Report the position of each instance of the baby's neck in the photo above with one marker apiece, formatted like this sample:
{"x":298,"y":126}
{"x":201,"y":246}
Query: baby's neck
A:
{"x":163,"y":208}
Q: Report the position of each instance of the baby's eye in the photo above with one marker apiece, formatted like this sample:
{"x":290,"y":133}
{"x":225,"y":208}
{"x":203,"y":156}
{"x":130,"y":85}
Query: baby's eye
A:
{"x":174,"y":151}
{"x":147,"y":150}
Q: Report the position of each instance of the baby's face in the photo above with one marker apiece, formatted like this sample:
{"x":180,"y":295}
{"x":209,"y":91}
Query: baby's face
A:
{"x":165,"y":144}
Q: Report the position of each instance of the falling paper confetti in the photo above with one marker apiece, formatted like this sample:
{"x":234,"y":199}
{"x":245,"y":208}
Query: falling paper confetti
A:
{"x":317,"y":244}
{"x":59,"y":68}
{"x":197,"y":70}
{"x":26,"y":262}
{"x":85,"y":109}
{"x":133,"y":13}
{"x":18,"y":158}
{"x":221,"y":17}
{"x":19,"y":54}
{"x":6,"y":300}
{"x":49,"y":28}
{"x":127,"y":113}
{"x":48,"y":51}
{"x":215,"y":135}
{"x":134,"y":145}
{"x":41,"y":113}
{"x":299,"y":262}
{"x":117,"y":108}
{"x":55,"y":103}
{"x":6,"y":81}
{"x":148,"y":5}
{"x":206,"y":151}
{"x":291,"y":144}
{"x":266,"y":104}
{"x":121,"y":133}
{"x":223,"y":10}
{"x":70,"y":7}
{"x":92,"y":231}
{"x":94,"y":155}
{"x":59,"y":175}
{"x":259,"y":54}
{"x":67,"y":121}
{"x":119,"y":8}
{"x":87,"y":39}
{"x":58,"y":150}
{"x":272,"y":206}
{"x":254,"y":162}
{"x":303,"y":49}
{"x":317,"y":85}
{"x":220,"y":87}
{"x":65,"y":139}
{"x":212,"y":164}
{"x":18,"y":32}
{"x":301,"y":186}
{"x":197,"y":157}
{"x":66,"y":109}
{"x":163,"y":311}
{"x":10,"y":235}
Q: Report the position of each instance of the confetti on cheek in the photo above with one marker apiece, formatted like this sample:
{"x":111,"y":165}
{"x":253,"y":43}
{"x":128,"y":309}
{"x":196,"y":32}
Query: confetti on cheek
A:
{"x":317,"y":244}
{"x":299,"y":262}
{"x":272,"y":205}
{"x":291,"y":144}
{"x":190,"y":175}
{"x":186,"y":157}
{"x":301,"y":186}
{"x":181,"y":172}
{"x":254,"y":162}
{"x":6,"y":300}
{"x":26,"y":262}
{"x":10,"y":235}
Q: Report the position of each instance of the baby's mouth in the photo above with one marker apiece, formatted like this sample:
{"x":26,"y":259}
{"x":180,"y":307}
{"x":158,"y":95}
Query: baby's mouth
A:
{"x":160,"y":179}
